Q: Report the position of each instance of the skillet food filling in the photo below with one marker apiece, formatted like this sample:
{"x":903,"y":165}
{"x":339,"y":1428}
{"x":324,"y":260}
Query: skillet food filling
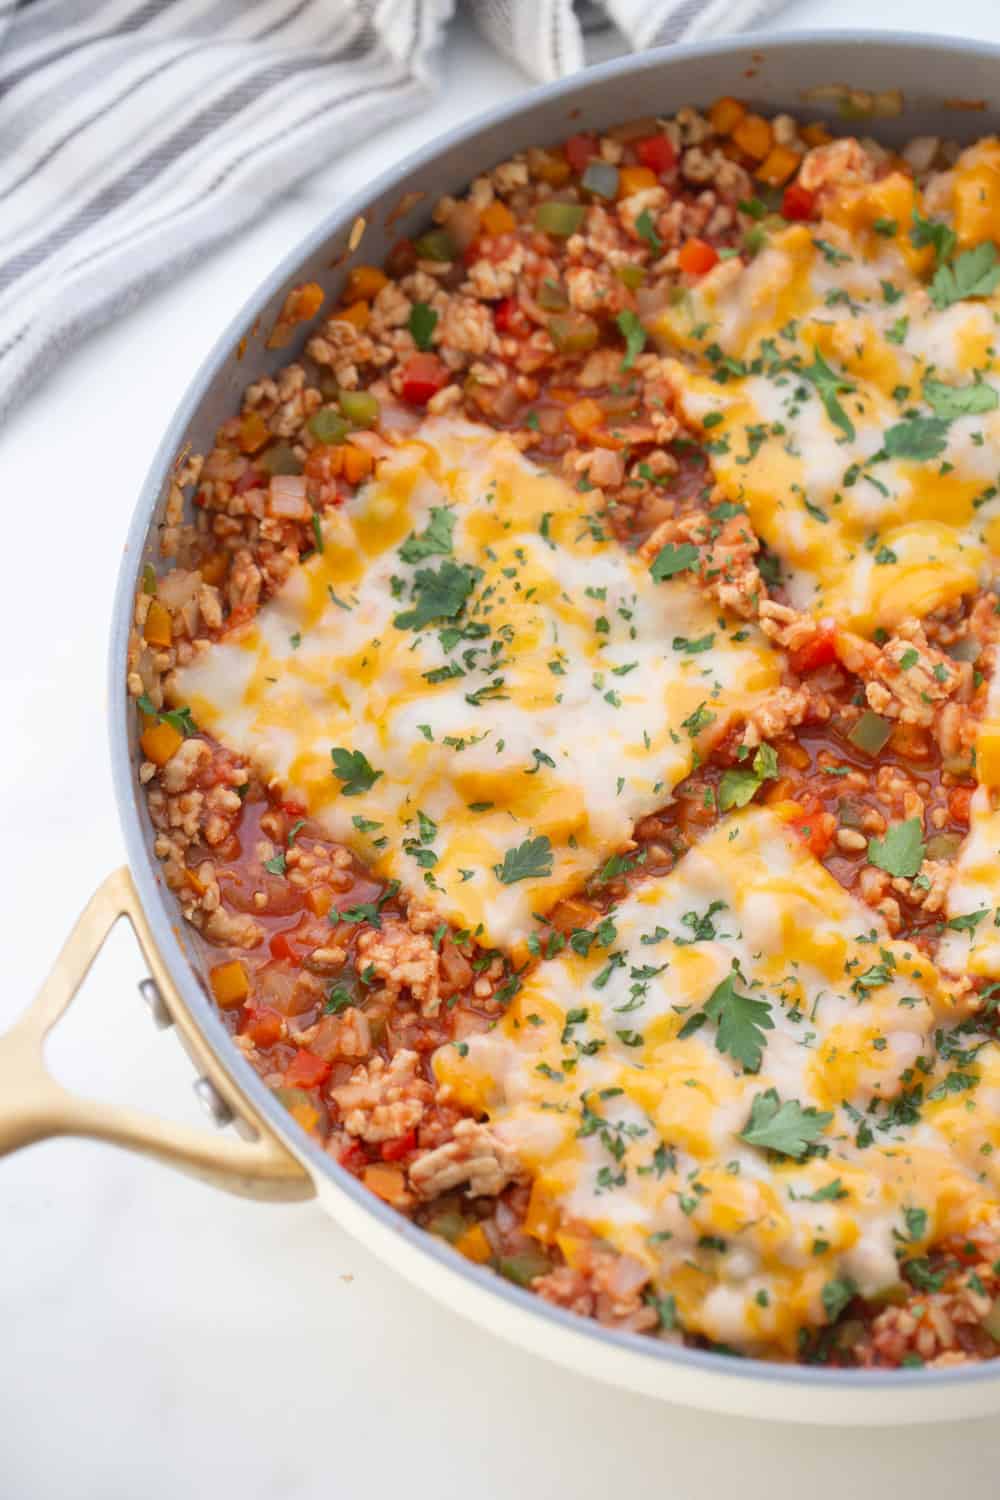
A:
{"x":571,"y":722}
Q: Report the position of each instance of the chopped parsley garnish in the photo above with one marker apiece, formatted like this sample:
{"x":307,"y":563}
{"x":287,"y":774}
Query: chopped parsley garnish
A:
{"x":435,"y":540}
{"x":439,"y":595}
{"x":952,"y":401}
{"x":670,"y":560}
{"x":828,"y":386}
{"x":352,"y":767}
{"x":741,"y":1022}
{"x":901,"y":852}
{"x":974,"y":273}
{"x":634,"y":335}
{"x":784,"y":1127}
{"x":531,"y":860}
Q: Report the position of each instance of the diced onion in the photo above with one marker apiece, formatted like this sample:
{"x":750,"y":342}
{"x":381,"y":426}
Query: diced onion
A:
{"x":287,"y":497}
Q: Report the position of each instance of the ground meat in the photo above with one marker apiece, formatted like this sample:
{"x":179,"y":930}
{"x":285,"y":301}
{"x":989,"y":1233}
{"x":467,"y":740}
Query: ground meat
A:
{"x":383,"y":1101}
{"x":726,"y":553}
{"x":403,"y":959}
{"x":473,"y":1158}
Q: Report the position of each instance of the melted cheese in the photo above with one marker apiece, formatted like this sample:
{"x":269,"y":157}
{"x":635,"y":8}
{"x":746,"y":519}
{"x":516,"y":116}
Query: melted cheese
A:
{"x":630,"y":1115}
{"x":555,"y":703}
{"x":973,"y":947}
{"x":867,"y":539}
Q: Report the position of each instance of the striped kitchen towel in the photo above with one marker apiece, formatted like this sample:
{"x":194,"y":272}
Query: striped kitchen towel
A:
{"x":138,"y":133}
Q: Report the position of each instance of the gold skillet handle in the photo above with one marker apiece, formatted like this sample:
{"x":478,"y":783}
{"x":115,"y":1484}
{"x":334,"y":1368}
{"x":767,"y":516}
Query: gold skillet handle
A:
{"x":34,"y":1107}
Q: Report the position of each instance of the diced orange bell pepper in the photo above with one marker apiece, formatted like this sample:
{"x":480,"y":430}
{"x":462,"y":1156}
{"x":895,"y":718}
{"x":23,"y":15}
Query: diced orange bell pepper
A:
{"x":584,"y":415}
{"x":753,"y":135}
{"x":364,"y":283}
{"x":474,"y":1245}
{"x":358,"y":463}
{"x":230,"y":984}
{"x":778,"y":165}
{"x":157,"y":629}
{"x":635,"y":180}
{"x":254,"y":432}
{"x":387,"y":1183}
{"x":357,"y":314}
{"x":302,"y":302}
{"x":496,"y":218}
{"x":725,"y":114}
{"x":696,"y":257}
{"x":160,"y":742}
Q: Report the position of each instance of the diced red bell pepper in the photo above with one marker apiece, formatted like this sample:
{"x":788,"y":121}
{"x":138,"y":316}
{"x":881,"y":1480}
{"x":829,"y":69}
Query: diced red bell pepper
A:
{"x":819,"y":652}
{"x":506,"y":315}
{"x":401,"y":258}
{"x":263,"y":1025}
{"x":353,"y":1157}
{"x":696,"y":257}
{"x":402,"y":1146}
{"x":423,"y":376}
{"x":579,"y":150}
{"x":656,"y":152}
{"x":816,"y":830}
{"x":797,"y":202}
{"x":306,"y":1070}
{"x":281,"y":948}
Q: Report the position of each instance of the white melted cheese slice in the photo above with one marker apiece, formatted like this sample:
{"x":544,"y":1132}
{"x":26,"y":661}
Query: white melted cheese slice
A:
{"x":629,"y":1116}
{"x":867,"y":540}
{"x":971,"y":944}
{"x":558,"y":704}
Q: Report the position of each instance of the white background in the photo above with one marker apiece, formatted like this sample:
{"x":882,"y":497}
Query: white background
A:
{"x":160,"y":1340}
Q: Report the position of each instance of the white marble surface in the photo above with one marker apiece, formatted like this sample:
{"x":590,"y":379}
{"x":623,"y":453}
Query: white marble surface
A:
{"x":160,"y":1340}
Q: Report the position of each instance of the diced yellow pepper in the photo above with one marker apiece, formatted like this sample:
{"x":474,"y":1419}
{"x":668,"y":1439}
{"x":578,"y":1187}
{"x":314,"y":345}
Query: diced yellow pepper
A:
{"x":254,"y":432}
{"x":363,"y":283}
{"x":725,"y":114}
{"x":754,"y":136}
{"x":230,"y":984}
{"x":160,"y":742}
{"x":496,"y":218}
{"x":157,"y":630}
{"x":636,"y":180}
{"x":778,"y":165}
{"x":474,"y":1245}
{"x":548,"y":166}
{"x":307,"y":1115}
{"x":988,"y":753}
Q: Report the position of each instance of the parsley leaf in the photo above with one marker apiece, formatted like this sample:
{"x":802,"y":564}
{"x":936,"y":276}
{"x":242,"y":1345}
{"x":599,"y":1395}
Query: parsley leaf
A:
{"x":739,"y":784}
{"x":644,"y":226}
{"x":918,"y":438}
{"x":438,"y":596}
{"x":353,"y":769}
{"x":932,"y":232}
{"x":422,"y":323}
{"x":634,"y":335}
{"x":528,"y":861}
{"x":786,"y":1128}
{"x":741,"y":1022}
{"x":670,"y":560}
{"x":951,"y":401}
{"x":974,"y":273}
{"x":736,"y":788}
{"x":902,"y":850}
{"x":828,"y":385}
{"x":437,"y":539}
{"x":836,"y":1295}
